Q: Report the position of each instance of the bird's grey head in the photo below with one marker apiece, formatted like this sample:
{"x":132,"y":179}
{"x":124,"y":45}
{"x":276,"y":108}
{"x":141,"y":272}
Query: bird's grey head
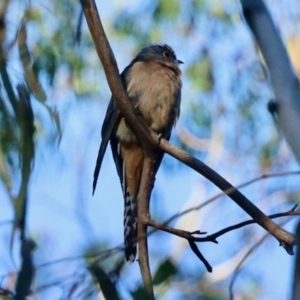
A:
{"x":162,"y":52}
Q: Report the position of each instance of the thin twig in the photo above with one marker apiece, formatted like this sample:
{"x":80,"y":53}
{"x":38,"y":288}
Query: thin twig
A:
{"x":106,"y":253}
{"x":200,"y":256}
{"x":180,"y":233}
{"x":291,"y":212}
{"x":103,"y":254}
{"x":239,"y":266}
{"x":227,"y":192}
{"x":212,"y":238}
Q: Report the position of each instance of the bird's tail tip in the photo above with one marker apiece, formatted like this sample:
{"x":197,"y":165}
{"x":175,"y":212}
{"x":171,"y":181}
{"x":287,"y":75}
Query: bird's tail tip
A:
{"x":130,"y":255}
{"x":130,"y":228}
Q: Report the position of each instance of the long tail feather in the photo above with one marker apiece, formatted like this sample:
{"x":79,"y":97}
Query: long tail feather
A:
{"x":130,"y":227}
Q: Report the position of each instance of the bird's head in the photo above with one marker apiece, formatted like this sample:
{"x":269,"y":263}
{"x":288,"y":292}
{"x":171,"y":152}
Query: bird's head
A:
{"x":160,"y":52}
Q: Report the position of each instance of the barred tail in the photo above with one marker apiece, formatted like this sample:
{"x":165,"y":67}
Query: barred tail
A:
{"x":130,"y":227}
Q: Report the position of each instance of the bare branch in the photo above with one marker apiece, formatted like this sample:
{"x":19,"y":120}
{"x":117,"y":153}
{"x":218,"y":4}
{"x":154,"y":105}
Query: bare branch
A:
{"x":189,"y":236}
{"x":213,"y":237}
{"x":285,"y":238}
{"x":181,"y":233}
{"x":200,"y":256}
{"x":252,"y":249}
{"x":219,"y":195}
{"x":290,"y":212}
{"x":146,"y":186}
{"x":107,"y":253}
{"x":239,"y":266}
{"x":296,"y":280}
{"x":135,"y":121}
{"x":284,"y":81}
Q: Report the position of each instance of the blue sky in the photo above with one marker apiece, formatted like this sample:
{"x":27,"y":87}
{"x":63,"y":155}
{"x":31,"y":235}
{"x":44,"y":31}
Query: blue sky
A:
{"x":64,"y":218}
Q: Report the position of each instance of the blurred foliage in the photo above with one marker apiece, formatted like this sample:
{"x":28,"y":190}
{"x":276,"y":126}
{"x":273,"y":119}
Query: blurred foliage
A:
{"x":166,"y":9}
{"x":106,"y":285}
{"x":48,"y":68}
{"x":30,"y":76}
{"x":201,"y":69}
{"x":165,"y":271}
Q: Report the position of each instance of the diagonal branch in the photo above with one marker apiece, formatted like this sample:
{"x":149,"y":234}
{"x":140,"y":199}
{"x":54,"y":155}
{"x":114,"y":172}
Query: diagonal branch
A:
{"x":285,"y":238}
{"x":135,"y":121}
{"x":285,"y":83}
{"x":219,"y":195}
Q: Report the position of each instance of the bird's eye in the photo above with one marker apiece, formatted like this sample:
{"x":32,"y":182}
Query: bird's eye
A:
{"x":166,"y":54}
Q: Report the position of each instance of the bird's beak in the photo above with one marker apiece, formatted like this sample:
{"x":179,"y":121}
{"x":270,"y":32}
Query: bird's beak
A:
{"x":179,"y":61}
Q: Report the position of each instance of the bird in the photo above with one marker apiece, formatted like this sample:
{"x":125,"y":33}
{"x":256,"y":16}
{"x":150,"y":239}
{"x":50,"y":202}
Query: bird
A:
{"x":153,"y":84}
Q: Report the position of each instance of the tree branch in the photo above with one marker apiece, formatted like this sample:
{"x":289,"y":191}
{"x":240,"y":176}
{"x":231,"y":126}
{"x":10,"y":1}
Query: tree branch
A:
{"x":215,"y":197}
{"x":284,"y":81}
{"x":285,"y":238}
{"x":239,"y":266}
{"x":213,"y":237}
{"x":107,"y":253}
{"x":296,"y":279}
{"x":180,"y":233}
{"x":189,"y":236}
{"x":147,"y":139}
{"x":146,"y":186}
{"x":135,"y":121}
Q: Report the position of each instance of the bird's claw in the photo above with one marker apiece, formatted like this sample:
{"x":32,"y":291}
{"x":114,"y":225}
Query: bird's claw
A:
{"x":137,"y":109}
{"x":159,"y":137}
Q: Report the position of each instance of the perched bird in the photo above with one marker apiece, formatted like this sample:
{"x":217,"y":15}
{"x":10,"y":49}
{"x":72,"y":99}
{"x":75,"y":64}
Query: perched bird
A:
{"x":153,"y":84}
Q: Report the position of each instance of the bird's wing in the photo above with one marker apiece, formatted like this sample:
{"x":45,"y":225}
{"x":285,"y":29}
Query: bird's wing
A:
{"x":176,"y":113}
{"x":111,"y":119}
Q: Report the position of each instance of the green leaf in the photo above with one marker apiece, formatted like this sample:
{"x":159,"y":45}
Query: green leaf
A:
{"x":106,"y":285}
{"x":165,"y":270}
{"x":25,"y":56}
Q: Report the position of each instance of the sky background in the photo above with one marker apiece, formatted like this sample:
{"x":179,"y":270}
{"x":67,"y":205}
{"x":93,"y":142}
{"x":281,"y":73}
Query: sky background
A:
{"x":65,"y":219}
